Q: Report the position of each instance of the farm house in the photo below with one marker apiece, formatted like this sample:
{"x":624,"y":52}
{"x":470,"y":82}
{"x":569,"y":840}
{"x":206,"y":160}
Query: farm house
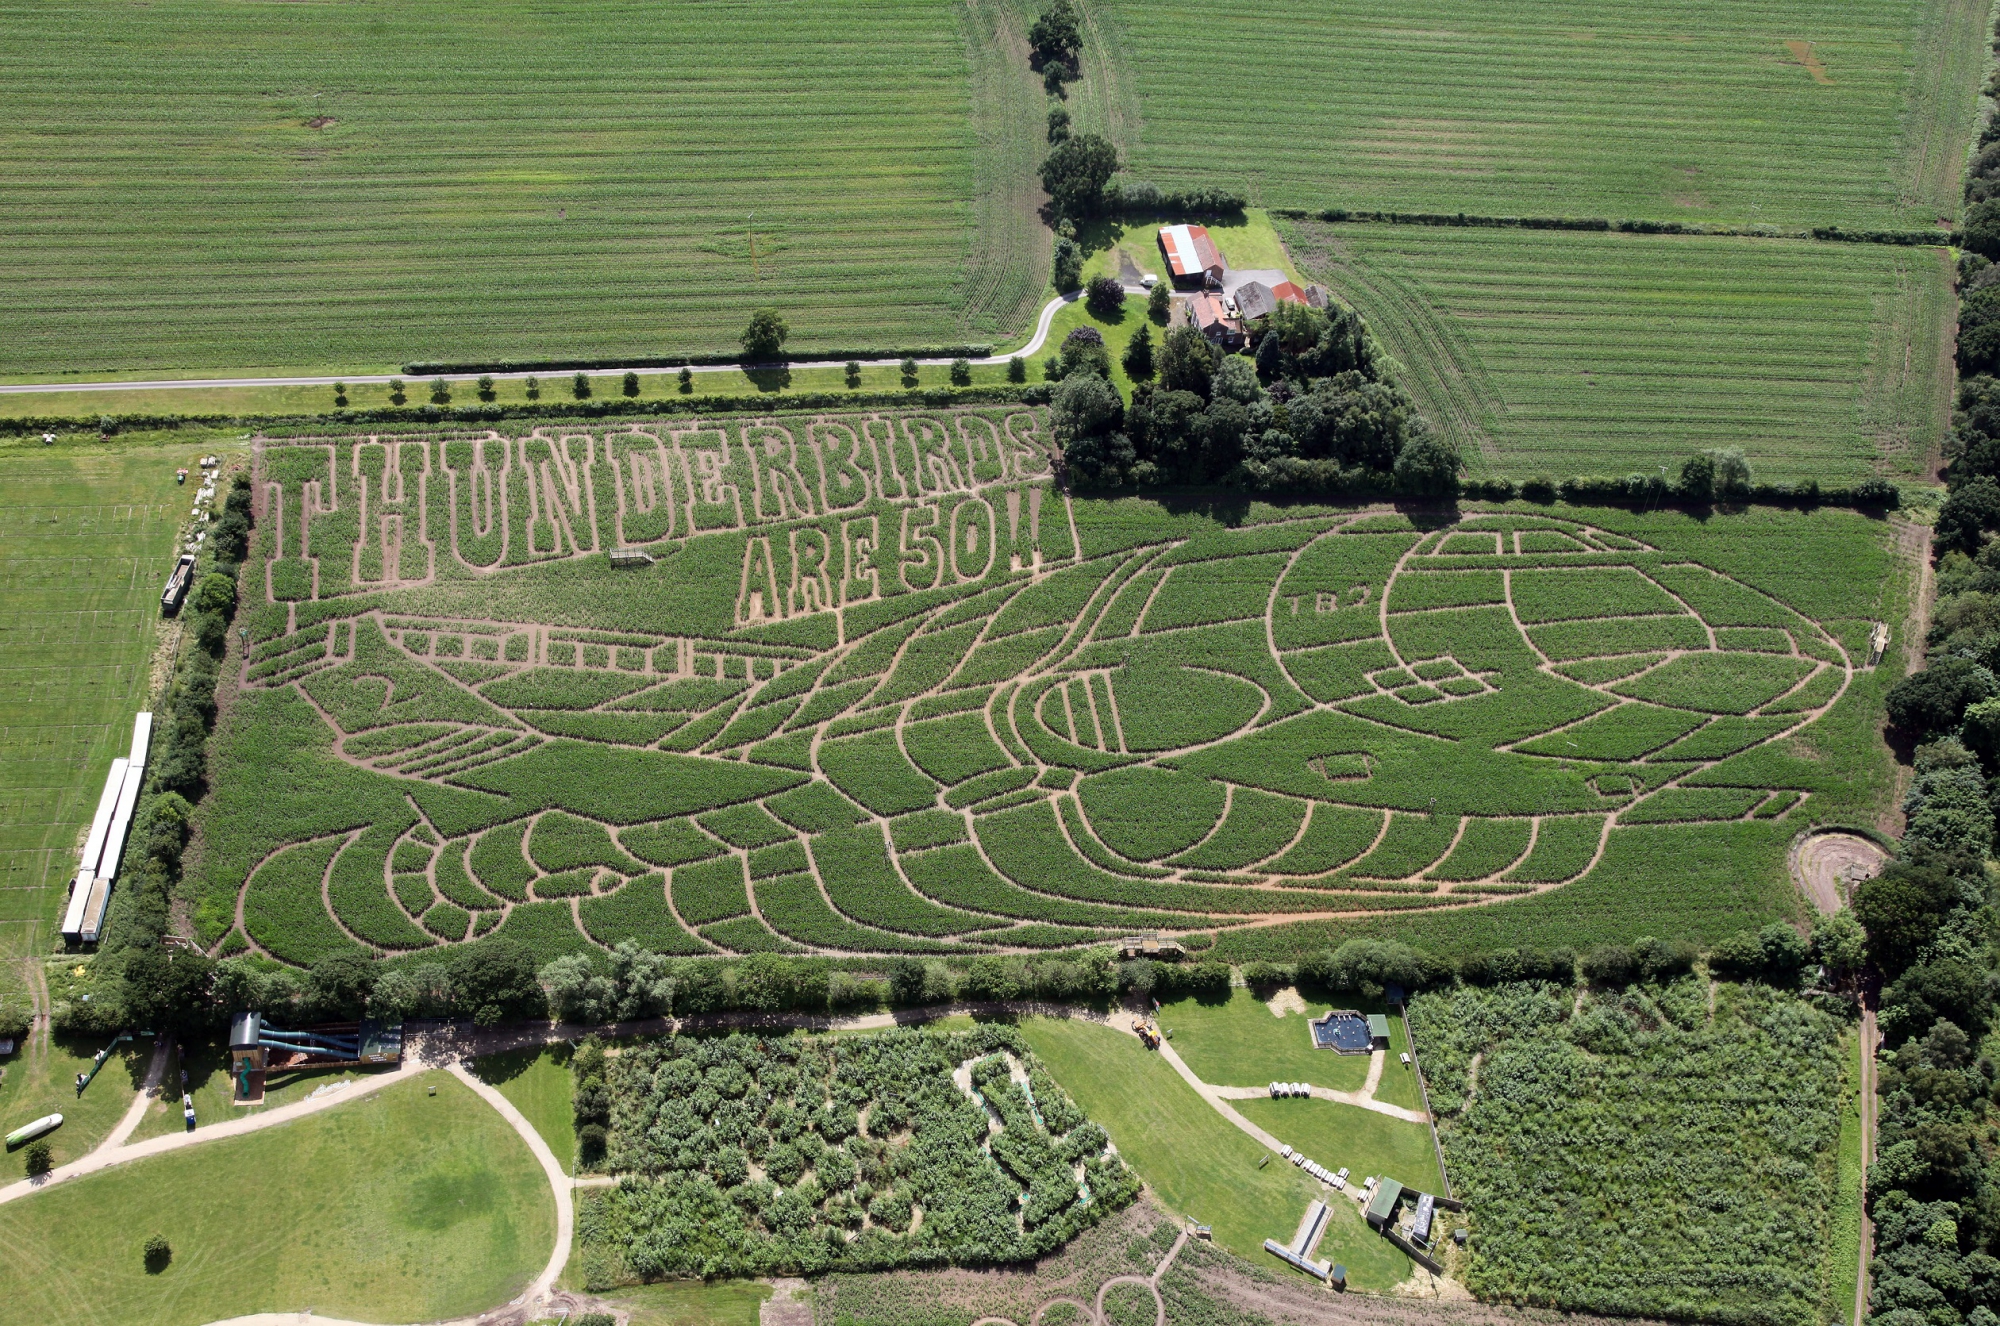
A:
{"x":1211,"y":315}
{"x":1191,"y":256}
{"x":1255,"y":300}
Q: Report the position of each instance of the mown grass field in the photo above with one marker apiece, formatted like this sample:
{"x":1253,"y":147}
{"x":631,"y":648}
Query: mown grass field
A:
{"x":86,"y":539}
{"x":229,"y":187}
{"x":539,"y":1084}
{"x":399,"y":1207}
{"x":1568,"y":353}
{"x":1687,"y":110}
{"x":1194,"y":1160}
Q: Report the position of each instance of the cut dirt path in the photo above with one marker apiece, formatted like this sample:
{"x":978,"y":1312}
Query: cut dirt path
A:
{"x":1827,"y":865}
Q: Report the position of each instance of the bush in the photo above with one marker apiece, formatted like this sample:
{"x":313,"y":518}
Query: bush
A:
{"x":40,"y":1159}
{"x":440,"y":392}
{"x":485,"y":386}
{"x":534,"y":388}
{"x":579,"y":386}
{"x":1104,"y":297}
{"x":631,"y":383}
{"x":961,"y":373}
{"x":157,"y":1253}
{"x":909,"y":367}
{"x":686,"y":380}
{"x":1016,"y":370}
{"x":853,"y":373}
{"x":590,"y":1141}
{"x":396,"y":396}
{"x":340,"y":395}
{"x":1068,"y":266}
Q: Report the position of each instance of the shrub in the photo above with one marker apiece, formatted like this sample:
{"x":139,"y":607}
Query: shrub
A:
{"x":631,"y":383}
{"x":1067,"y":271}
{"x":1058,"y":124}
{"x":534,"y":387}
{"x":853,"y":374}
{"x":1541,"y":489}
{"x":686,"y":380}
{"x":961,"y":373}
{"x":1016,"y":370}
{"x":40,"y":1159}
{"x":909,"y":367}
{"x":485,"y":386}
{"x":579,"y":386}
{"x":340,"y":395}
{"x":157,"y":1253}
{"x":590,"y":1140}
{"x":396,"y":396}
{"x":1104,"y":297}
{"x":440,"y":392}
{"x":1609,"y":965}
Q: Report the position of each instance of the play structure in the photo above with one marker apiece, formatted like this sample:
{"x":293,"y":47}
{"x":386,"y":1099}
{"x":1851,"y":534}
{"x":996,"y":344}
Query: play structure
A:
{"x":1344,"y":1031}
{"x":257,"y":1048}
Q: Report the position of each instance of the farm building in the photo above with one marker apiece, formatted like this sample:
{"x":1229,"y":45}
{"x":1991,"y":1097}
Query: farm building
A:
{"x":1150,"y":946}
{"x":1191,"y":256}
{"x":1210,"y":315}
{"x":1255,"y":300}
{"x":1382,"y":1206}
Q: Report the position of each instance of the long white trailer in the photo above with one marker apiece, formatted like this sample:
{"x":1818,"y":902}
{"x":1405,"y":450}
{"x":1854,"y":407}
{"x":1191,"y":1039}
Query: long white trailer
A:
{"x":104,"y":848}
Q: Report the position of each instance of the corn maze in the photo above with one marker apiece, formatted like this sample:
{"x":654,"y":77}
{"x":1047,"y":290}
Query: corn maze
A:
{"x":885,"y":688}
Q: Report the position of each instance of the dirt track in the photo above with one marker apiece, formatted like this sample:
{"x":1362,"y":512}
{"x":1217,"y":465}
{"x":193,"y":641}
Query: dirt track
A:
{"x":1828,"y":865}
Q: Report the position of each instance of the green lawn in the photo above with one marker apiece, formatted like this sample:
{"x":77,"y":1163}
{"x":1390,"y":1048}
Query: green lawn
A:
{"x":86,"y":538}
{"x":398,"y":1207}
{"x":1689,"y":109}
{"x":353,"y":187}
{"x":1567,"y":353}
{"x":539,"y":1084}
{"x":41,"y":1079}
{"x":1239,"y":1044}
{"x":207,"y":1068}
{"x":1193,"y":1159}
{"x":1338,"y":1135}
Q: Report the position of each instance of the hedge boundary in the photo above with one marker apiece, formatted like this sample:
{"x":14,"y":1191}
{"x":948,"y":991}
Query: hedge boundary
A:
{"x":1627,"y":226}
{"x":437,"y":367}
{"x":608,"y":407}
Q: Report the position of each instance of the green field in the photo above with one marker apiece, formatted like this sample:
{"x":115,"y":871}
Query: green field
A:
{"x":40,"y":1078}
{"x":539,"y":1084}
{"x":889,"y":692}
{"x":1566,"y":353}
{"x":88,"y":539}
{"x":514,"y":180}
{"x":399,"y":1207}
{"x":1688,"y":110}
{"x":1198,"y":1163}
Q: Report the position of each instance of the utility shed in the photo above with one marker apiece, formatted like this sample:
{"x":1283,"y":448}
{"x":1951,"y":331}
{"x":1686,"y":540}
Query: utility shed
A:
{"x":1378,"y":1030}
{"x":1382,"y":1206}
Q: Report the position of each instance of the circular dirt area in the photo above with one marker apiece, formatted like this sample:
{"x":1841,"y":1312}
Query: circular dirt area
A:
{"x":1828,"y":865}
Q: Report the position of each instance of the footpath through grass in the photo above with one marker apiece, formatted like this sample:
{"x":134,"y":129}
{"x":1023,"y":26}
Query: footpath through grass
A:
{"x":399,"y":1207}
{"x":41,"y":1079}
{"x":1194,"y":1160}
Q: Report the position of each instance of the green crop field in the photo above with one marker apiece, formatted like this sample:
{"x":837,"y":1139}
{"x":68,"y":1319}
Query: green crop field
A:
{"x":227,"y":187}
{"x":400,"y":1207}
{"x":1789,"y":114}
{"x":88,"y":539}
{"x":1567,"y":353}
{"x":888,"y":691}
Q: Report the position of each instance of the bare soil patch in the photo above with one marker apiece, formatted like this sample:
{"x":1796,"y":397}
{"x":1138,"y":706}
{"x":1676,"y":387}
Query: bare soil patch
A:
{"x":1828,"y":865}
{"x":1287,"y":1000}
{"x":1802,"y":51}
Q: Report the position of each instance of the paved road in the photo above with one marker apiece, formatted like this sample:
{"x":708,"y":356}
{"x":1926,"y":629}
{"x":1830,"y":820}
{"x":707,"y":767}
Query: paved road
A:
{"x":1033,"y":347}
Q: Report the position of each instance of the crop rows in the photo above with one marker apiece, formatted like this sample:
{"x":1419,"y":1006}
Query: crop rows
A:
{"x":1518,"y":351}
